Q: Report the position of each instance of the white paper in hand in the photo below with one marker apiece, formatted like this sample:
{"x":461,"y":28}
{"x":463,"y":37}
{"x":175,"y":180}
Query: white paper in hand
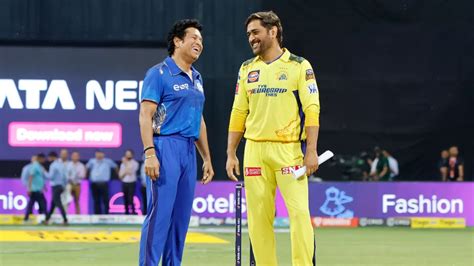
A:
{"x":321,"y":159}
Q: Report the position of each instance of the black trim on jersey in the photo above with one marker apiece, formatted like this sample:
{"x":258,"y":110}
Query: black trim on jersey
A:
{"x":314,"y":253}
{"x":300,"y":111}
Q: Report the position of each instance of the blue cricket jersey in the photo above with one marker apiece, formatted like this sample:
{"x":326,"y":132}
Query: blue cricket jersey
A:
{"x":180,"y":100}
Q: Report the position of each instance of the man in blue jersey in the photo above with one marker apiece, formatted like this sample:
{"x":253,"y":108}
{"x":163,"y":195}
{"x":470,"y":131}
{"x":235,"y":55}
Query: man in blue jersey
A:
{"x":171,"y":124}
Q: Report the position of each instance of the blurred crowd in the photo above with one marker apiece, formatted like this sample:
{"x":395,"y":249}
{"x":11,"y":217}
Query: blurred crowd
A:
{"x":65,"y":174}
{"x":383,"y":166}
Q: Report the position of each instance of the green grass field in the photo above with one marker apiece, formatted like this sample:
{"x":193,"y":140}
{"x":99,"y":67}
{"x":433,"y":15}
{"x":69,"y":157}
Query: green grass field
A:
{"x":361,"y":246}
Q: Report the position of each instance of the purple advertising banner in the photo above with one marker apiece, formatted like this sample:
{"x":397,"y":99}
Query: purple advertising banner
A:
{"x":331,"y":199}
{"x":398,"y":199}
{"x":14,"y":198}
{"x":81,"y":97}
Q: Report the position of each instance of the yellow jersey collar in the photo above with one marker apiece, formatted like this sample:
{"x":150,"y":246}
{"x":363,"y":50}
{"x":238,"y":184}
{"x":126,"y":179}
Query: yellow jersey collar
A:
{"x":285,"y":56}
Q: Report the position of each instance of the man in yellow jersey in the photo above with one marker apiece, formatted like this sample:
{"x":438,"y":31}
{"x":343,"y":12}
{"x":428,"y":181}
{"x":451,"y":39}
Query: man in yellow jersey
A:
{"x":277,"y":106}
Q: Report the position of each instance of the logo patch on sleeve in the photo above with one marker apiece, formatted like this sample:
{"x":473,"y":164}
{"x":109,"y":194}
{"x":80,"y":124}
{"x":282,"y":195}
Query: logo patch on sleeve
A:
{"x":313,"y":88}
{"x":253,"y":76}
{"x":309,"y":74}
{"x":237,"y":88}
{"x":253,"y":171}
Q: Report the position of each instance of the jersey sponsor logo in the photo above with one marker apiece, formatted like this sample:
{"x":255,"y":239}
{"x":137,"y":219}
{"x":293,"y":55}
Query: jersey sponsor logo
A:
{"x":309,"y":74}
{"x":282,"y":75}
{"x":313,"y":88}
{"x":253,"y":76}
{"x":237,"y":88}
{"x":180,"y":87}
{"x":268,"y":91}
{"x":287,"y":170}
{"x":253,"y":171}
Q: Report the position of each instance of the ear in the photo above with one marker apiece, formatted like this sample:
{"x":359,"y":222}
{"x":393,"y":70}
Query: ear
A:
{"x":273,"y":31}
{"x":177,"y":42}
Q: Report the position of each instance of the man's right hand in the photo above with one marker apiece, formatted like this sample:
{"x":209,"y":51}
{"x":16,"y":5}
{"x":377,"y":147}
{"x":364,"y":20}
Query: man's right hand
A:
{"x":152,"y":168}
{"x":232,"y":165}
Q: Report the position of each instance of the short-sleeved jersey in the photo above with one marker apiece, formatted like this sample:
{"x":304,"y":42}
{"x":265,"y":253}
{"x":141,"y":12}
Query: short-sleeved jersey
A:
{"x":275,"y":101}
{"x":180,"y":100}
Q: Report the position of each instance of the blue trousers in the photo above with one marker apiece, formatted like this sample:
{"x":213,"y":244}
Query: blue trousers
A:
{"x":169,"y":201}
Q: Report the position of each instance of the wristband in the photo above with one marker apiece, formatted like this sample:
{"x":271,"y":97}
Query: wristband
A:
{"x":149,"y":156}
{"x":148,"y":148}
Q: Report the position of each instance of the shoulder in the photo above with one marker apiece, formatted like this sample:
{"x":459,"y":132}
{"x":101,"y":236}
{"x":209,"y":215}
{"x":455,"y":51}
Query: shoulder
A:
{"x":157,"y":70}
{"x":296,"y":59}
{"x":248,"y":62}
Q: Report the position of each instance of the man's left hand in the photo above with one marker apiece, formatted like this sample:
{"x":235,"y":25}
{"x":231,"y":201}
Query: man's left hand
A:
{"x":207,"y":172}
{"x":311,"y":162}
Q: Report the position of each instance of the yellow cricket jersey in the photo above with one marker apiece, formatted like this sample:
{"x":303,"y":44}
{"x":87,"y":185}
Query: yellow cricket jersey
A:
{"x":275,"y":101}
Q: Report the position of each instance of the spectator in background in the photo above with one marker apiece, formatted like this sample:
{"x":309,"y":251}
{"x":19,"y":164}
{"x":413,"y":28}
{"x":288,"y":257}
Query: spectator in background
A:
{"x":128,"y":175}
{"x":380,"y":170}
{"x":25,"y":171}
{"x":66,"y":195}
{"x":35,"y":186}
{"x":76,"y":172}
{"x":99,"y":176}
{"x":143,"y":178}
{"x":58,"y":181}
{"x":454,"y":167}
{"x":392,"y":164}
{"x":442,"y":163}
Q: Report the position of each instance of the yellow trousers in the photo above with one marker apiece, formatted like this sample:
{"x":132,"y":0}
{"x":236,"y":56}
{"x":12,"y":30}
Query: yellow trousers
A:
{"x":266,"y":167}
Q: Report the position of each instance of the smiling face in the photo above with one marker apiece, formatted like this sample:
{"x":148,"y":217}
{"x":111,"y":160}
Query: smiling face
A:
{"x":260,"y":38}
{"x":190,"y":47}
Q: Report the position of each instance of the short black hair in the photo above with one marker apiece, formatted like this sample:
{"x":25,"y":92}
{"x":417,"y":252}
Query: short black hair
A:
{"x":52,"y":154}
{"x":40,"y":156}
{"x":179,"y":30}
{"x":268,"y":19}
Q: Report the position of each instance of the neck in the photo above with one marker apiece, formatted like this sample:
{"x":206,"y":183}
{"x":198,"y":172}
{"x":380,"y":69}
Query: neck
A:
{"x":182,"y":63}
{"x":271,"y":54}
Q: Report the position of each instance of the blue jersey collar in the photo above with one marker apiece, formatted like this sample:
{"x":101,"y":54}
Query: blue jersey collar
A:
{"x":175,"y":70}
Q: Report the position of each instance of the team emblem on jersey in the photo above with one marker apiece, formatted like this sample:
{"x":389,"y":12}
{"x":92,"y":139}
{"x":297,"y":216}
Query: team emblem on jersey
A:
{"x":309,"y":74}
{"x":253,"y":171}
{"x":199,"y":86}
{"x":282,"y":75}
{"x":253,"y":76}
